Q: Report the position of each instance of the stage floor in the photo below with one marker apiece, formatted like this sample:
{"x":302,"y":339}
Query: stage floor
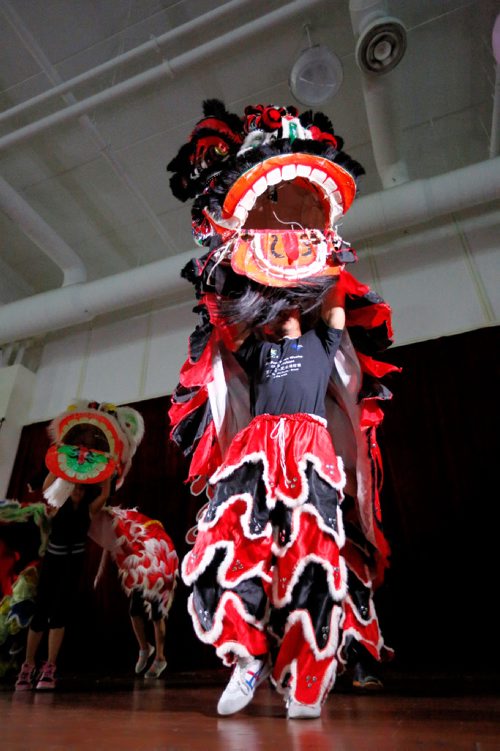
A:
{"x":413,"y":713}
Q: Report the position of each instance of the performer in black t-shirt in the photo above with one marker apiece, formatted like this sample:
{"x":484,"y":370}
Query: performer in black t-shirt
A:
{"x":271,"y":592}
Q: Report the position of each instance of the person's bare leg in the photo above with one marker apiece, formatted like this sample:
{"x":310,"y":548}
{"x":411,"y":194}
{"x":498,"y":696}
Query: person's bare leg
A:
{"x":139,"y":631}
{"x":32,"y":644}
{"x":159,"y":627}
{"x":56,"y":636}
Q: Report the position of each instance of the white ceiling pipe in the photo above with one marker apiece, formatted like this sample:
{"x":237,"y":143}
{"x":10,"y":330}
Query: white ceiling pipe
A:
{"x":382,"y":121}
{"x":68,"y":306}
{"x":374,"y":215}
{"x":42,"y":234}
{"x":170,"y":68}
{"x":378,"y":103}
{"x":495,"y":117}
{"x":421,"y":200}
{"x":154,"y":44}
{"x":52,"y":74}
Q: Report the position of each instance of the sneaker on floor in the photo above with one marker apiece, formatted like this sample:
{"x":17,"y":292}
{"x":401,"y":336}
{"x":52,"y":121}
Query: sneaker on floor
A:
{"x":143,"y":659}
{"x":47,"y":677}
{"x":247,"y":675}
{"x":365,"y":680}
{"x":156,"y":669}
{"x":26,"y":677}
{"x":298,"y":711}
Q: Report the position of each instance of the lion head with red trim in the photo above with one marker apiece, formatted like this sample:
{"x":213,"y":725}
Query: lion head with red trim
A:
{"x":93,"y":442}
{"x":268,"y":189}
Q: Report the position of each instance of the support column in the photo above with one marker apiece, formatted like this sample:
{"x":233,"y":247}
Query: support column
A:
{"x":16,"y":390}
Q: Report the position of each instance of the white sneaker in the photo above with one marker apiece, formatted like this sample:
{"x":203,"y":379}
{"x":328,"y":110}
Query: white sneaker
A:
{"x":247,"y":675}
{"x":156,"y":669}
{"x":298,"y":711}
{"x":143,"y":659}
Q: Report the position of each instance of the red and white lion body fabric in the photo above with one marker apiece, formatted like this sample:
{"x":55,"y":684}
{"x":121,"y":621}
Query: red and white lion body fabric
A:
{"x":275,"y":568}
{"x":143,"y":552}
{"x":92,"y":442}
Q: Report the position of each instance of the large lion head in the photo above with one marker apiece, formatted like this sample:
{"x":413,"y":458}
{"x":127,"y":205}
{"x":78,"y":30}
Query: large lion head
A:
{"x":268,"y":189}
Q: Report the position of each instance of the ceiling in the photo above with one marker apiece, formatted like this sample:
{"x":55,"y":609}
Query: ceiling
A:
{"x":97,"y":183}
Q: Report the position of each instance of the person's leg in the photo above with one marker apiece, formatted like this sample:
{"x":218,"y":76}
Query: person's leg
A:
{"x":229,"y":569}
{"x":47,"y":677}
{"x":309,"y":580}
{"x":160,"y":631}
{"x":138,"y":621}
{"x":159,"y":664}
{"x":139,"y":629}
{"x":26,"y":674}
{"x":32,"y":644}
{"x":56,"y":636}
{"x":38,"y":625}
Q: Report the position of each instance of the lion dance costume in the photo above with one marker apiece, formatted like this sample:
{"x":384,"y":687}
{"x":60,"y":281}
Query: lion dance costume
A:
{"x":91,"y":442}
{"x":276,"y":569}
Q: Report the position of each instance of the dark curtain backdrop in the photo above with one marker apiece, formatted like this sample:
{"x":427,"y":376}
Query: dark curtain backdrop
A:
{"x":440,"y":500}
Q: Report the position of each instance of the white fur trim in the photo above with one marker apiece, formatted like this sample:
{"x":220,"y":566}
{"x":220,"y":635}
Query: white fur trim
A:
{"x":210,"y":636}
{"x":336,"y":594}
{"x":244,"y":518}
{"x":229,"y":648}
{"x":58,"y":492}
{"x":307,"y":508}
{"x":207,"y":558}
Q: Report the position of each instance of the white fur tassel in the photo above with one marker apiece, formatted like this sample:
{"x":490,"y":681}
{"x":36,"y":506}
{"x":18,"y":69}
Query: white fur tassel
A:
{"x":57,"y":493}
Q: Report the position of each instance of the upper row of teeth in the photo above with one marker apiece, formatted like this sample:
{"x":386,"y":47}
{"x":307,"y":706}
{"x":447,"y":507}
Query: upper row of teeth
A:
{"x":286,"y":173}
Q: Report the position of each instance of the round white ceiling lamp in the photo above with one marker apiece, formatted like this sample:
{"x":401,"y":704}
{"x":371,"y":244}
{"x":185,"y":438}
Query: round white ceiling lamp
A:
{"x":316,"y":75}
{"x":381,"y":45}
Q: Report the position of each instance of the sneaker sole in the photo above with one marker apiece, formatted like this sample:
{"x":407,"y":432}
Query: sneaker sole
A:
{"x":266,"y":672}
{"x":299,"y":712}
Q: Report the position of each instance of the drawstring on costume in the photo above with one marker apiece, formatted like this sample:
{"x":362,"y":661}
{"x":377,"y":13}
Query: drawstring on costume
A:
{"x":278,"y":432}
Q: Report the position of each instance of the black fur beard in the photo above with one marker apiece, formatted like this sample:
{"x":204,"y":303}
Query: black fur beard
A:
{"x":258,"y":305}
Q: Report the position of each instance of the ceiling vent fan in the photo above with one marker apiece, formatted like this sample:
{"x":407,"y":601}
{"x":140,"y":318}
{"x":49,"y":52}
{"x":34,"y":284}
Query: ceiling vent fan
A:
{"x":381,"y":45}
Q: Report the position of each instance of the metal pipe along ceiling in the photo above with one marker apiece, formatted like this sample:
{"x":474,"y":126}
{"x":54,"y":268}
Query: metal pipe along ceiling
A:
{"x":263,"y":24}
{"x":377,"y":214}
{"x":153,"y":44}
{"x":42,"y":234}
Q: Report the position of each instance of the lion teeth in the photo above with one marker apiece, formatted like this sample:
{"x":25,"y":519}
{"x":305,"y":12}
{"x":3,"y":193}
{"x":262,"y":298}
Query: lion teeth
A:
{"x":274,"y":177}
{"x":248,"y":200}
{"x":318,"y":176}
{"x":289,"y":172}
{"x":281,"y":174}
{"x":260,"y":186}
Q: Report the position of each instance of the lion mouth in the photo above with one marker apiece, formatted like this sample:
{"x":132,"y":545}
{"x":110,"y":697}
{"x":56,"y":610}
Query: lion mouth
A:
{"x":90,"y":435}
{"x":296,"y":191}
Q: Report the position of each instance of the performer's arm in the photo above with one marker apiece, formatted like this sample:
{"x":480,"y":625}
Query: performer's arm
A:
{"x":48,"y":481}
{"x":101,"y":499}
{"x":333,"y":308}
